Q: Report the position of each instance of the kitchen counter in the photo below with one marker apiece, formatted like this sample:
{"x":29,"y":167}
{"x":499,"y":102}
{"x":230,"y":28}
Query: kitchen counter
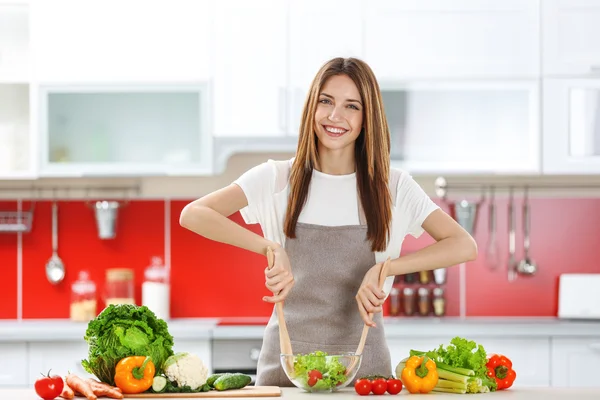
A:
{"x":297,"y":394}
{"x":253,"y":328}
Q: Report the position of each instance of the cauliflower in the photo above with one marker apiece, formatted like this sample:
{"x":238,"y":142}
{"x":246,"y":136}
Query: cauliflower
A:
{"x":186,"y":369}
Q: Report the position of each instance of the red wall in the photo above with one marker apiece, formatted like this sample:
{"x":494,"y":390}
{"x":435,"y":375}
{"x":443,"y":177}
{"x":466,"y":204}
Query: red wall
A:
{"x":215,"y":280}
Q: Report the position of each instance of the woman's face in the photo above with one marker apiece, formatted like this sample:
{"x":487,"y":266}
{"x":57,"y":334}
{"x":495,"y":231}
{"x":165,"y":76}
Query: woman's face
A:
{"x":339,"y":115}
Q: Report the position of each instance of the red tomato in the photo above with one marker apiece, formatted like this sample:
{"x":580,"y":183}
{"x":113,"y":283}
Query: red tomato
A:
{"x":394,"y":386}
{"x":379,"y":386}
{"x":313,"y":377}
{"x":363,"y":387}
{"x":49,"y":387}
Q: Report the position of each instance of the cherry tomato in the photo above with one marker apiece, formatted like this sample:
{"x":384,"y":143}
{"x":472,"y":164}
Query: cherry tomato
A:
{"x":313,"y":376}
{"x":49,"y":387}
{"x":394,"y":386}
{"x":363,"y":386}
{"x":379,"y":386}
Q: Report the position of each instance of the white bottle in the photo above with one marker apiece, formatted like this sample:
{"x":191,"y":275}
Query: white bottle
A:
{"x":156,"y":289}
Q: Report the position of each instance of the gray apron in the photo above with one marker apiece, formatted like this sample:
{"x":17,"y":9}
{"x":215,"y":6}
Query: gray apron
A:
{"x":321,"y":313}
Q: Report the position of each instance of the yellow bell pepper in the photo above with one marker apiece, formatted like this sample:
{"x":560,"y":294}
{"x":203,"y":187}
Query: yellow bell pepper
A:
{"x":419,"y":375}
{"x":134,"y":374}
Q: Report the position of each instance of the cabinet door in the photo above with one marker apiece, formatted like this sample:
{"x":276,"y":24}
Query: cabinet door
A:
{"x":250,"y":86}
{"x":571,"y":29}
{"x":14,"y":43}
{"x":13,"y":364}
{"x":111,"y":40}
{"x":460,"y":38}
{"x":530,"y":357}
{"x":62,"y":357}
{"x":575,"y":362}
{"x":571,"y":126}
{"x":313,"y":41}
{"x":17,"y":147}
{"x":464,"y":127}
{"x":125,"y":130}
{"x":199,"y":347}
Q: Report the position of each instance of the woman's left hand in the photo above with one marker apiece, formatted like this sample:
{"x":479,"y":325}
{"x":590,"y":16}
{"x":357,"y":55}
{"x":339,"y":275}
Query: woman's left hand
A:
{"x":370,"y":297}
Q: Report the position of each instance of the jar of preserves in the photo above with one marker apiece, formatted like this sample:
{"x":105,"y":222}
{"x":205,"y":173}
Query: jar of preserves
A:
{"x":439,"y":302}
{"x":424,"y":301}
{"x":83,"y":298}
{"x":119,"y":286}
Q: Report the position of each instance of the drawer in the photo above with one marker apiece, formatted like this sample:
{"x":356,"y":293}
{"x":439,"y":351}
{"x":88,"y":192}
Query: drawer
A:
{"x":61,"y":357}
{"x":13,"y":364}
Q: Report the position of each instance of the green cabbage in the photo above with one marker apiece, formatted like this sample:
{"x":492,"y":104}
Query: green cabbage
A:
{"x":121,"y":331}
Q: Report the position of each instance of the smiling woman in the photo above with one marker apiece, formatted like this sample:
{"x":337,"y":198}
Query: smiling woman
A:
{"x":333,"y":214}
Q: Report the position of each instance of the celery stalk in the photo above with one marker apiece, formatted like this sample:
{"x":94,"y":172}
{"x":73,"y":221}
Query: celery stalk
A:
{"x":458,"y":370}
{"x":452,"y":376}
{"x":448,"y":390}
{"x":443,"y":383}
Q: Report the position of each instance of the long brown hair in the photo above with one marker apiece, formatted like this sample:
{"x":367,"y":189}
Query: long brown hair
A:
{"x":372,"y":152}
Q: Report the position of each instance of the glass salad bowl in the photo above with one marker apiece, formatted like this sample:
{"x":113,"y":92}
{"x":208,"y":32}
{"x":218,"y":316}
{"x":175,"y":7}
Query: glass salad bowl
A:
{"x":319,"y":371}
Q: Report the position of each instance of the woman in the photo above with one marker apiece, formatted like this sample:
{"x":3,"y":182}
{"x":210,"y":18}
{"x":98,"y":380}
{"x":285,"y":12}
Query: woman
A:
{"x":332,"y":214}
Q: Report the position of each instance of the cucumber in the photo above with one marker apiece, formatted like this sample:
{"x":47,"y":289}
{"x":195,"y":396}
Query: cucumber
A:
{"x":232,"y":381}
{"x":159,"y":384}
{"x":211,"y":379}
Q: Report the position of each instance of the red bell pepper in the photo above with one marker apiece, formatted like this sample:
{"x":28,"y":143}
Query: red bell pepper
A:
{"x":499,"y":367}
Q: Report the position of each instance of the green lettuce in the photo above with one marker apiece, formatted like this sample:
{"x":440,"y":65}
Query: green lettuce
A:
{"x":121,"y":331}
{"x":331,"y":368}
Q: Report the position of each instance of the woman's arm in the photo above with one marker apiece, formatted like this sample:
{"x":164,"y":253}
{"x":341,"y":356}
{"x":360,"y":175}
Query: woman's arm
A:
{"x":207,"y":217}
{"x":454,"y":245}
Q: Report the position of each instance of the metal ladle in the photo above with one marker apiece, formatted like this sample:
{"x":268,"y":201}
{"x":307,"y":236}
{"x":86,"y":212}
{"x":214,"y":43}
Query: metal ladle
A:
{"x":55,"y":268}
{"x":526,"y":266}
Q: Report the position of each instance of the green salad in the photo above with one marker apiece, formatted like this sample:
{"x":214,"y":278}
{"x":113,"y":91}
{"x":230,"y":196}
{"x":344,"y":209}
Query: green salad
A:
{"x":317,"y":371}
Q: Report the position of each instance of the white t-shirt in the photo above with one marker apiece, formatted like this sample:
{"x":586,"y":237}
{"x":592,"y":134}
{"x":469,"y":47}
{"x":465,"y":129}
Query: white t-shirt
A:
{"x":332,"y":201}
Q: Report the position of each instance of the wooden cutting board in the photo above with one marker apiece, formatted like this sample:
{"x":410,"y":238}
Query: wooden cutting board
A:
{"x":248,"y":391}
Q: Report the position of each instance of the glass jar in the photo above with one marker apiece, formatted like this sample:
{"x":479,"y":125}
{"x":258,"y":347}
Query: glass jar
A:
{"x":119,"y":286}
{"x":394,"y":301}
{"x":439,"y":302}
{"x":408,"y":298}
{"x":424,"y":277}
{"x":156,"y":288}
{"x":83,"y":298}
{"x":424,"y":301}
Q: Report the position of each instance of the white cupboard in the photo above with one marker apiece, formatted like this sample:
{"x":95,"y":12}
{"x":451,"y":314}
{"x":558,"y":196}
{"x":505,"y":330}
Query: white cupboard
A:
{"x":13,"y":364}
{"x":114,"y":41}
{"x":574,"y":361}
{"x":571,"y":29}
{"x":571,"y":126}
{"x":61,"y":357}
{"x":411,"y":39}
{"x":250,"y":78}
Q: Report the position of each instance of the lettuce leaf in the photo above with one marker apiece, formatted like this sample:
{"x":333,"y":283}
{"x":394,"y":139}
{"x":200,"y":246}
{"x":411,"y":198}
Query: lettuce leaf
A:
{"x":331,"y":368}
{"x":121,"y":331}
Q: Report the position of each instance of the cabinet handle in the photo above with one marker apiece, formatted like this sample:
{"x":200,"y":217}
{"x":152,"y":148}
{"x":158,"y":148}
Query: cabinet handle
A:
{"x":282,"y":108}
{"x":595,"y":68}
{"x":595,"y":346}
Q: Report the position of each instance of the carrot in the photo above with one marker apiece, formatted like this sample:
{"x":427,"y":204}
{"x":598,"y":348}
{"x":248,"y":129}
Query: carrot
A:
{"x":81,"y":386}
{"x":67,"y":392}
{"x":104,"y":389}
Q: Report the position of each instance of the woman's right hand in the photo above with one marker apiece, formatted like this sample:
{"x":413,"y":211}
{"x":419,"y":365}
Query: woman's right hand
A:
{"x":279,"y":279}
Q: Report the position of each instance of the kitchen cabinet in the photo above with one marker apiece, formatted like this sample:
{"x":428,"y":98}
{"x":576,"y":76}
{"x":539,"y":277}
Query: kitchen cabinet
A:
{"x":312,"y":42}
{"x":575,"y":361}
{"x":13,"y":364}
{"x":201,"y":348}
{"x":114,"y":41}
{"x":530,"y":357}
{"x":570,"y":35}
{"x":571,"y":126}
{"x":61,"y":357}
{"x":250,"y":68}
{"x":411,"y":39}
{"x":14,"y":43}
{"x":464,"y":127}
{"x":17,"y":155}
{"x":117,"y":130}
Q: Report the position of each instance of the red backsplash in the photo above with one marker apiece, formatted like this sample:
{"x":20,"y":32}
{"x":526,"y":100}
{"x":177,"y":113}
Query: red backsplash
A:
{"x":215,"y":280}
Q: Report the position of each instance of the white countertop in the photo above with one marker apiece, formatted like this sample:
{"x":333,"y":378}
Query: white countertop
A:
{"x":514,"y":393}
{"x":395,"y":327}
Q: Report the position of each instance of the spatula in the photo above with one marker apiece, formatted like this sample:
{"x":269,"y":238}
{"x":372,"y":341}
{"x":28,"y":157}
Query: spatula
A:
{"x":363,"y":338}
{"x":284,"y":337}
